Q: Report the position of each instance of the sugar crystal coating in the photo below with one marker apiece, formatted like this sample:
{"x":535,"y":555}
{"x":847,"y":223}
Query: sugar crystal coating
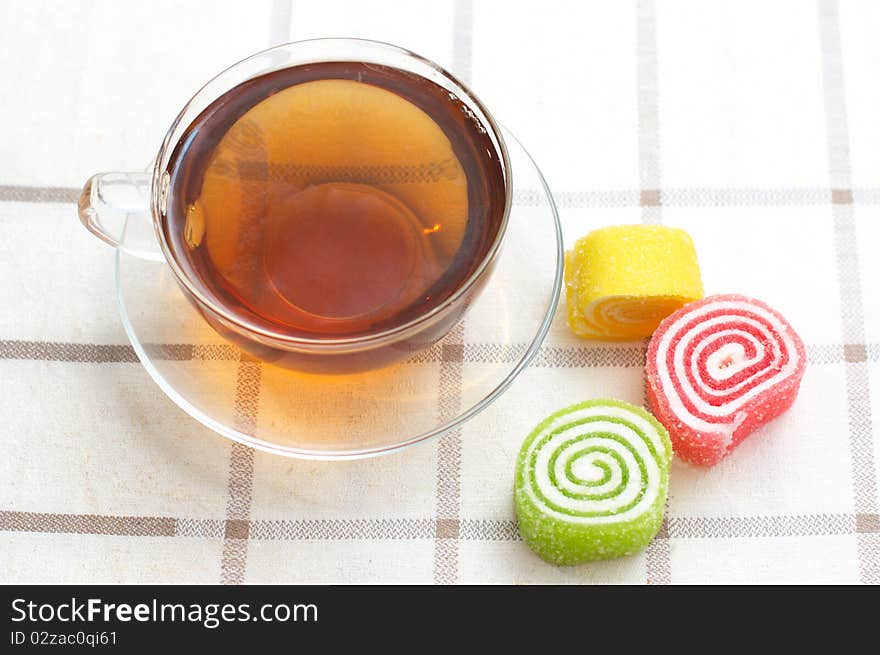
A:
{"x":591,"y":482}
{"x":621,"y":281}
{"x":718,"y":369}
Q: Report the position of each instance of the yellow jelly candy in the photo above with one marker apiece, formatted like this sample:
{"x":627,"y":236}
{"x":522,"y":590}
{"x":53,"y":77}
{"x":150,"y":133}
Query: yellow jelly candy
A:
{"x":622,"y":281}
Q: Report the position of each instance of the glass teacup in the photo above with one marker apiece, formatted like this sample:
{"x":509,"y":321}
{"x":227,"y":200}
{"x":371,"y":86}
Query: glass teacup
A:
{"x":329,"y":206}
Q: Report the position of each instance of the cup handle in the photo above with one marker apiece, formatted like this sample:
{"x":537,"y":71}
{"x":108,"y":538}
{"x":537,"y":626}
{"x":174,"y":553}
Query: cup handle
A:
{"x":115,"y":207}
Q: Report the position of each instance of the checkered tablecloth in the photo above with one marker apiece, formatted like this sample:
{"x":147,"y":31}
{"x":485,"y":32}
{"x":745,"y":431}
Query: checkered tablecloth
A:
{"x":752,"y":124}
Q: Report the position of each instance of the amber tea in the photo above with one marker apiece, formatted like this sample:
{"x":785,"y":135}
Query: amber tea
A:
{"x":333,"y":200}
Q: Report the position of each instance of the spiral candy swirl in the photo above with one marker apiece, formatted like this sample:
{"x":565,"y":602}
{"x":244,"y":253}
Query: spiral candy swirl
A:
{"x":719,"y":368}
{"x":625,"y":317}
{"x":591,"y":482}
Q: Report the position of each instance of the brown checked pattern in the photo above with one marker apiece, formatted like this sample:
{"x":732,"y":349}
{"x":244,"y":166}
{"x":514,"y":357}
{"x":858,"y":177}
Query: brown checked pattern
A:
{"x":852,"y":317}
{"x":116,"y":484}
{"x":650,"y":199}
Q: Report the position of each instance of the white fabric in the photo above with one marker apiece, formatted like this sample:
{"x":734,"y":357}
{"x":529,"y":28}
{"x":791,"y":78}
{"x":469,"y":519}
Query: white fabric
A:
{"x":746,"y":116}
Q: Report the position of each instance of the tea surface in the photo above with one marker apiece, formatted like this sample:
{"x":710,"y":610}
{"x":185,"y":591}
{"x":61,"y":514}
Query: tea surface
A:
{"x":333,"y":199}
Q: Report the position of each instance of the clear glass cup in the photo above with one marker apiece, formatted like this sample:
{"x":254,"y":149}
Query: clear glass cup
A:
{"x":127,"y":211}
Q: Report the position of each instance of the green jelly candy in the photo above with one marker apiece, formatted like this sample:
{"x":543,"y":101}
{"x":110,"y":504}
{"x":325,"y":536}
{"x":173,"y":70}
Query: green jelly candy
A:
{"x":591,"y":482}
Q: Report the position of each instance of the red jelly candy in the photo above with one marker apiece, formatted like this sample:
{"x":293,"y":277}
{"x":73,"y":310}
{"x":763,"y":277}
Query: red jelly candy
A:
{"x":718,"y":369}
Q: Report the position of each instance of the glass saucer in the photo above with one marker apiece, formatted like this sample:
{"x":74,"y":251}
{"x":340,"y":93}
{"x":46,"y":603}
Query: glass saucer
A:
{"x":351,"y":416}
